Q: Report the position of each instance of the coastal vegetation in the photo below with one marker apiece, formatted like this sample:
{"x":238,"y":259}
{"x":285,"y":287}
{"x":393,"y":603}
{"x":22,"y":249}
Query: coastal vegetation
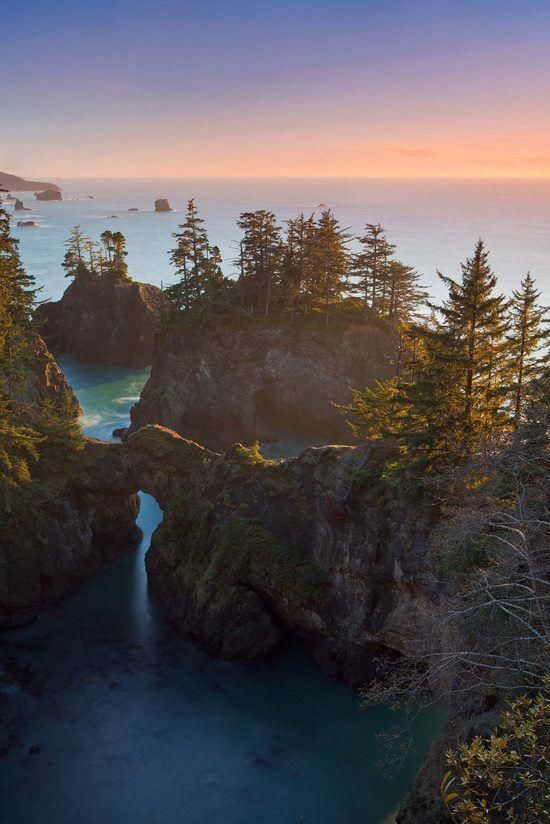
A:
{"x":302,"y":269}
{"x":89,"y":259}
{"x":34,"y":438}
{"x":463,"y":427}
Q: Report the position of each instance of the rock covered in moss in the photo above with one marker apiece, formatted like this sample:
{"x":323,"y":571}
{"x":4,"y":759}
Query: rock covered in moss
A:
{"x":251,"y":549}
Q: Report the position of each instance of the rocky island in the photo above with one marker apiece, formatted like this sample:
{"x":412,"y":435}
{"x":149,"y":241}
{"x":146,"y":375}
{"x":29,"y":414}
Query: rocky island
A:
{"x":48,"y":194}
{"x":106,"y":322}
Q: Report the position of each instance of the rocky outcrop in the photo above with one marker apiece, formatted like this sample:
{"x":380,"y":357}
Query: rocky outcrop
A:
{"x":48,"y":194}
{"x":44,"y":380}
{"x":20,"y":206}
{"x":13,"y":183}
{"x":162,"y":205}
{"x":70,"y":526}
{"x":241,"y":383}
{"x":250,"y":550}
{"x":27,"y":223}
{"x":103,"y":321}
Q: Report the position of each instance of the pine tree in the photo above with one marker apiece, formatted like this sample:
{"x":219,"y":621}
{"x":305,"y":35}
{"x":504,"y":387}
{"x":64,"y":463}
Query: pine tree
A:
{"x":526,"y":336}
{"x":77,"y":262}
{"x":18,"y":440}
{"x":298,"y":264}
{"x":260,"y":259}
{"x":473,"y":334}
{"x":370,"y":267}
{"x":330,"y":264}
{"x":197,"y":264}
{"x":403,"y":292}
{"x":453,"y":401}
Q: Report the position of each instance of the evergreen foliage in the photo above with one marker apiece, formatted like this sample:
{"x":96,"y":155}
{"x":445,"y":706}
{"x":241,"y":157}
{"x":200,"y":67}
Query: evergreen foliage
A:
{"x":27,"y":435}
{"x":89,"y":259}
{"x":465,"y":376}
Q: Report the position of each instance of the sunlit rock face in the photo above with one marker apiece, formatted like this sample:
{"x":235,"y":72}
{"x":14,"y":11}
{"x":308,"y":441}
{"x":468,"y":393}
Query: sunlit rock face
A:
{"x":44,"y":380}
{"x":228,"y":383}
{"x":103,"y":321}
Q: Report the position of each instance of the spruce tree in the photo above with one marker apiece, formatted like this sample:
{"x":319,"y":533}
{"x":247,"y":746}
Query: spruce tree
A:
{"x":18,"y":440}
{"x":77,"y":261}
{"x":197,"y":264}
{"x":260,"y":260}
{"x":526,"y":336}
{"x":331,"y":264}
{"x":370,"y":267}
{"x":298,"y":264}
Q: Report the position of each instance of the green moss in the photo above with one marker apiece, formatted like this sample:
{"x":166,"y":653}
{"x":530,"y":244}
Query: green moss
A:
{"x":237,"y":552}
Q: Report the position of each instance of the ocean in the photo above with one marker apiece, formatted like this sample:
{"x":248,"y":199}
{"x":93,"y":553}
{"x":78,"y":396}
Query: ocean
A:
{"x":435,"y":223}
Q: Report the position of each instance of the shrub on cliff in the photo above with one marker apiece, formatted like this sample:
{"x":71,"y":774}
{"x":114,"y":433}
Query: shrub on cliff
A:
{"x":505,"y":777}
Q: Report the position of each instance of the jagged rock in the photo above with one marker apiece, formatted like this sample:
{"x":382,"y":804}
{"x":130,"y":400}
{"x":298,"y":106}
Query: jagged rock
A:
{"x":29,"y":223}
{"x":232,"y":383}
{"x":133,"y":209}
{"x":162,"y":205}
{"x":103,"y":321}
{"x":20,"y":206}
{"x":44,"y":380}
{"x":48,"y":194}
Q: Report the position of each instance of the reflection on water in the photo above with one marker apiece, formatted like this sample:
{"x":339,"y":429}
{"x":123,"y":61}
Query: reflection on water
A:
{"x":136,"y":726}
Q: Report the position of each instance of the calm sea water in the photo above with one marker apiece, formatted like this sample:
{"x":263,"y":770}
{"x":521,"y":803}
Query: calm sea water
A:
{"x":435,"y":223}
{"x":136,"y":726}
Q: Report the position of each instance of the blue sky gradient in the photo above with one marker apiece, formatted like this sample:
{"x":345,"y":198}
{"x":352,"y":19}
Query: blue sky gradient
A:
{"x":275,"y":88}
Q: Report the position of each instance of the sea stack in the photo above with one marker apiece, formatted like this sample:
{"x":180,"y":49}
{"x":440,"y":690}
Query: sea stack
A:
{"x":20,"y":206}
{"x":48,"y":194}
{"x":162,"y":205}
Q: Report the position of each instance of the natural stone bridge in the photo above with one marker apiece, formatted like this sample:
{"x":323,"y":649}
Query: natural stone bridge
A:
{"x":248,"y":549}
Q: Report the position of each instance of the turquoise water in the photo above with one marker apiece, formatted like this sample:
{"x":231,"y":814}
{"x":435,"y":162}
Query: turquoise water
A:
{"x":136,"y":726}
{"x":434,"y":222}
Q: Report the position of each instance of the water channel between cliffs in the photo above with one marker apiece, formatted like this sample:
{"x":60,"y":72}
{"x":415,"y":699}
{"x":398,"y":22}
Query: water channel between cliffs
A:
{"x":132,"y":724}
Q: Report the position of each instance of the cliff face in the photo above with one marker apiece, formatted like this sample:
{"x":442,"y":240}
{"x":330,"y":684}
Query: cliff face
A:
{"x":66,"y":531}
{"x":103,"y":321}
{"x":251,"y":549}
{"x":44,"y":379}
{"x":228,"y":384}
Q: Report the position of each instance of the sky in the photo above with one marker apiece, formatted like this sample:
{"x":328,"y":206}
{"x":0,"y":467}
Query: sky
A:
{"x":129,"y":88}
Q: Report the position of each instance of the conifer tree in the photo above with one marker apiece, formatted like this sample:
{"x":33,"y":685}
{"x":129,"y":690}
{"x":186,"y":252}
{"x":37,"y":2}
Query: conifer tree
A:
{"x":454,"y":401}
{"x":331,"y":263}
{"x":18,"y":440}
{"x":403,"y":292}
{"x":526,"y":336}
{"x":197,"y":264}
{"x":260,"y":260}
{"x":298,"y":264}
{"x":77,"y":262}
{"x":370,"y":266}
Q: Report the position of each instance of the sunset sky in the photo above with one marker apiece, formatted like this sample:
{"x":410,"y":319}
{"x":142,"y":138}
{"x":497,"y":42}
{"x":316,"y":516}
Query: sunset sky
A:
{"x":213,"y":87}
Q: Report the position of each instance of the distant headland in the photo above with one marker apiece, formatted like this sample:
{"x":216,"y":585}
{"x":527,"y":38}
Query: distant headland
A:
{"x":13,"y":183}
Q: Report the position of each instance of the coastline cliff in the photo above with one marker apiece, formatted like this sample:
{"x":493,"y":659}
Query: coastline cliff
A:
{"x":228,"y":383}
{"x":107,"y":321}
